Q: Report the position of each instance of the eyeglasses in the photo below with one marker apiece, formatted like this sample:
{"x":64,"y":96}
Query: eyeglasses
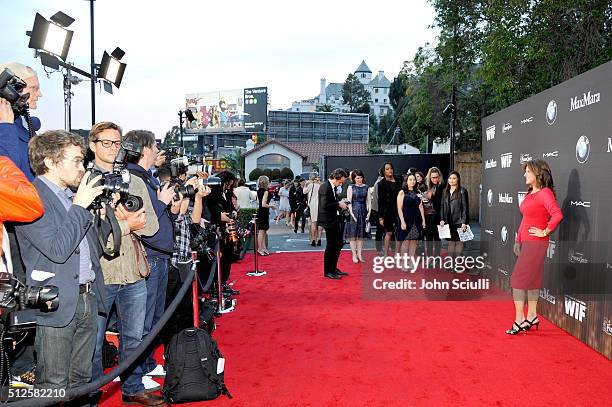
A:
{"x":109,"y":143}
{"x":77,"y":160}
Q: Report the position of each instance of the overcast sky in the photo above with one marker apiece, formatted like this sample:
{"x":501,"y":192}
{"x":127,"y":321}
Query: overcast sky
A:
{"x":199,"y":46}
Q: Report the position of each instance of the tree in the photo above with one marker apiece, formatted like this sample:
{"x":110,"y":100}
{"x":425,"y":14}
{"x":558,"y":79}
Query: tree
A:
{"x":255,"y":174}
{"x":286,"y":173}
{"x":267,"y":172}
{"x":355,"y":95}
{"x":275,"y":174}
{"x":235,"y":161}
{"x":325,"y":108}
{"x":173,"y":136}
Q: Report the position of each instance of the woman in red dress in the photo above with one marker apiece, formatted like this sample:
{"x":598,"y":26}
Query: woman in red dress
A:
{"x":541,"y":215}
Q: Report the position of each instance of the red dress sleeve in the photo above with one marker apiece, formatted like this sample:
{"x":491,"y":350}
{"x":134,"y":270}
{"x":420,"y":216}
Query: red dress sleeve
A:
{"x":550,"y":203}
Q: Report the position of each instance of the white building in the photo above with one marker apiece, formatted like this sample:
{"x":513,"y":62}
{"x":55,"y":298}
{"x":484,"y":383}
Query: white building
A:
{"x":331,"y":94}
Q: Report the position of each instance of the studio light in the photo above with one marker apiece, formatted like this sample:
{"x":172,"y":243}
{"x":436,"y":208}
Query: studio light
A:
{"x":52,"y":36}
{"x":111,"y":69}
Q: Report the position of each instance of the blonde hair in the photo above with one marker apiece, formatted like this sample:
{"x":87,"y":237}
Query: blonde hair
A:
{"x":22,"y":71}
{"x":263,"y":182}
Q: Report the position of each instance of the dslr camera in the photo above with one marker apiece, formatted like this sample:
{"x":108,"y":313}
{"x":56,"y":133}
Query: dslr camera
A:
{"x":118,"y":181}
{"x":10,"y":88}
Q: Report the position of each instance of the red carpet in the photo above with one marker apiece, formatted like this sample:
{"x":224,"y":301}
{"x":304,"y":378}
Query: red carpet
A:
{"x":297,"y":339}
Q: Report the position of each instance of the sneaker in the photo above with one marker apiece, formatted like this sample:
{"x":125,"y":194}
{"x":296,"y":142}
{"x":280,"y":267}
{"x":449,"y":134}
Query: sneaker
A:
{"x":157,"y":372}
{"x":149,"y":384}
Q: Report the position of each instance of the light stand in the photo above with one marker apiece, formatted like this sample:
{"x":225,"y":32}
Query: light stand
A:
{"x":180,"y":114}
{"x":255,"y":272}
{"x":451,"y":110}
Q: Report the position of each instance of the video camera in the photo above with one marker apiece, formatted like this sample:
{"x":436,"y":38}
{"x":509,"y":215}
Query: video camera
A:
{"x":10,"y":88}
{"x":16,"y":297}
{"x":118,"y":181}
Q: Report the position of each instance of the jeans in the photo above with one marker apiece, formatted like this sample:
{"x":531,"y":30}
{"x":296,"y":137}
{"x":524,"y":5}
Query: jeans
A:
{"x":157,"y":283}
{"x":64,"y":354}
{"x":130,"y":301}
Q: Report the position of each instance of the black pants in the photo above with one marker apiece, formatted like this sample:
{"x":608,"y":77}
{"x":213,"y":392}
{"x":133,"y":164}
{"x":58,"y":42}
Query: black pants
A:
{"x":227,"y":254}
{"x":332,"y":249}
{"x":299,"y":215}
{"x":183,"y":316}
{"x":432,"y":239}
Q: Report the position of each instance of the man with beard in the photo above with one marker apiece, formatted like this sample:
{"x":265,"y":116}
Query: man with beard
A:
{"x":62,"y":249}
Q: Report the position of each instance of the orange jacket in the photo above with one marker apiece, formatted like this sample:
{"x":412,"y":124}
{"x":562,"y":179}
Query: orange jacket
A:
{"x":19,"y":200}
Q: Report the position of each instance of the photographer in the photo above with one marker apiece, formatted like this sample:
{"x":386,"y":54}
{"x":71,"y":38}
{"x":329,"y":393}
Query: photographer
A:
{"x":219,"y":204}
{"x":125,"y":272}
{"x":158,"y":247}
{"x":14,"y":134}
{"x":62,"y":249}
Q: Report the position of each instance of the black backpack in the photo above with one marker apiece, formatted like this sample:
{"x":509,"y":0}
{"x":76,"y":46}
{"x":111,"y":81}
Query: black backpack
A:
{"x":191,"y":368}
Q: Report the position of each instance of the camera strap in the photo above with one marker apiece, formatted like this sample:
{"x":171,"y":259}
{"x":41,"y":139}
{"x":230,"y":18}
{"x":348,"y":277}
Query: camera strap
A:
{"x":152,"y":246}
{"x":115,"y":230}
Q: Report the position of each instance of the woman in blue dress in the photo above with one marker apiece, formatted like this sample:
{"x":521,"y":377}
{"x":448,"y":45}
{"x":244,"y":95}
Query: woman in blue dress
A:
{"x":359,"y":209}
{"x":411,"y":218}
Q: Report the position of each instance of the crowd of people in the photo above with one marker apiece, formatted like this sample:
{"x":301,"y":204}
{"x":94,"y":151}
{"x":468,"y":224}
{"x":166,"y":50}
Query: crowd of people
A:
{"x":116,"y":257}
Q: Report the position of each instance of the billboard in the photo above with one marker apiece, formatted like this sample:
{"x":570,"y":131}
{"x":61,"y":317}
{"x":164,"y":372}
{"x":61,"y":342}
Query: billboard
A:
{"x":219,"y":111}
{"x":255,"y":109}
{"x":569,"y":127}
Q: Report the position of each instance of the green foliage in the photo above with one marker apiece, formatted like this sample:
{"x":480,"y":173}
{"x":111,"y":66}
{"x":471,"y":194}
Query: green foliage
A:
{"x":355,"y":95}
{"x":275,"y":174}
{"x":286,"y":173}
{"x":325,"y":108}
{"x":235,"y":161}
{"x":267,"y":172}
{"x":255,"y":174}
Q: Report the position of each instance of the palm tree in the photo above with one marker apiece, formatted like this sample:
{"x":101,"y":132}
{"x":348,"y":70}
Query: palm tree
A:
{"x":235,"y":161}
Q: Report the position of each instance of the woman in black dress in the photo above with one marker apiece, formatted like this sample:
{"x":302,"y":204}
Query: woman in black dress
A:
{"x":411,"y":218}
{"x":263,"y":214}
{"x":388,"y":188}
{"x":432,"y":206}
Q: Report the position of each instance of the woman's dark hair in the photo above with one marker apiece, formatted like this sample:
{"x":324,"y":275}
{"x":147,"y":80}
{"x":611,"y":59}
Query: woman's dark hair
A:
{"x":421,"y":174}
{"x":227,"y":178}
{"x":381,"y":172}
{"x":405,"y":187}
{"x":448,"y":187}
{"x":241,"y":182}
{"x":543,"y":174}
{"x":357,"y":173}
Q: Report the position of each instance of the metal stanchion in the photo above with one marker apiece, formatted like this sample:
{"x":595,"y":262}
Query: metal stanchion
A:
{"x":221,"y":308}
{"x":256,"y":272}
{"x":194,"y":290}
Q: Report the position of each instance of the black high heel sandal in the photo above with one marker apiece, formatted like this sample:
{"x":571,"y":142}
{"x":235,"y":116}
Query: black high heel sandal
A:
{"x":514,"y":330}
{"x":530,"y":324}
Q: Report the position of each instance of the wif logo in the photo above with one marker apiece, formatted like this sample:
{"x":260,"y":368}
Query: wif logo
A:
{"x":505,"y":198}
{"x":575,"y":308}
{"x":490,"y":131}
{"x":550,"y":251}
{"x":584,"y":204}
{"x":506,"y":160}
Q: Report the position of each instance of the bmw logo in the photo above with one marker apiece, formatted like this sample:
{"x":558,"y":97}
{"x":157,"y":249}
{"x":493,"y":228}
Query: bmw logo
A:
{"x":490,"y":198}
{"x":551,"y":112}
{"x":504,"y":235}
{"x":583,"y":148}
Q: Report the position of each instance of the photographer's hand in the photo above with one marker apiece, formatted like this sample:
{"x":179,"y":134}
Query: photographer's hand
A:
{"x":225,"y":218}
{"x":166,"y":194}
{"x":160,"y":159}
{"x":86,"y":193}
{"x":6,"y":112}
{"x":203,"y":190}
{"x":135,"y":220}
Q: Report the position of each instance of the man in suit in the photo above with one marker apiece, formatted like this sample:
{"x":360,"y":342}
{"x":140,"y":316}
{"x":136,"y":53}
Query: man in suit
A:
{"x":62,"y":249}
{"x":329,"y":217}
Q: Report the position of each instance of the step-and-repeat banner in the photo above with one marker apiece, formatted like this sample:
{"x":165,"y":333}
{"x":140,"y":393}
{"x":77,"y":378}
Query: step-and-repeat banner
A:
{"x":570,"y":127}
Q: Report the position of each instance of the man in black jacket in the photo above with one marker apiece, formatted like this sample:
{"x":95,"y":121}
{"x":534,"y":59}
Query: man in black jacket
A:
{"x":329,"y":217}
